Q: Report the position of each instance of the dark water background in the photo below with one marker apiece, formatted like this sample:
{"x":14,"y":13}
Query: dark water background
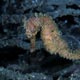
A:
{"x":16,"y":63}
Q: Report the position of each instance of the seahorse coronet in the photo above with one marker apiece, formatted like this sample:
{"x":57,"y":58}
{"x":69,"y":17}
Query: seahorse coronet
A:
{"x":50,"y":35}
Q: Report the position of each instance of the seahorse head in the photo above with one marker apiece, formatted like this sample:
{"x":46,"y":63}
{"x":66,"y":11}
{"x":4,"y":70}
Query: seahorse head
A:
{"x":32,"y":27}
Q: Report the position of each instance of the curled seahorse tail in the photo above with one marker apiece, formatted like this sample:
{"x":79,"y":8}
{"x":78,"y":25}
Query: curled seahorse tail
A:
{"x":53,"y":42}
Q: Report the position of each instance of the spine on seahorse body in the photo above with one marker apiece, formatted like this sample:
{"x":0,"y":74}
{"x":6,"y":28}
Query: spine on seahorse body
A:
{"x":53,"y":42}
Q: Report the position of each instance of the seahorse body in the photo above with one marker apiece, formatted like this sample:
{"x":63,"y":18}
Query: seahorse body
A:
{"x":54,"y":43}
{"x":52,"y":40}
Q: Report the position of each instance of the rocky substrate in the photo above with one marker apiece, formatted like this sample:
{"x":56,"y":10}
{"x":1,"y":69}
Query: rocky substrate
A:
{"x":16,"y":62}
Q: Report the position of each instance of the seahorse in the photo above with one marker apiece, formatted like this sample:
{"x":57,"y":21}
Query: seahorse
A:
{"x":50,"y":35}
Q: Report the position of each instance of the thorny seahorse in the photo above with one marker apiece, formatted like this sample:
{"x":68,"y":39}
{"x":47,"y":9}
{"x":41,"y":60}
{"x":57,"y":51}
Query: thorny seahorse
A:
{"x":50,"y":35}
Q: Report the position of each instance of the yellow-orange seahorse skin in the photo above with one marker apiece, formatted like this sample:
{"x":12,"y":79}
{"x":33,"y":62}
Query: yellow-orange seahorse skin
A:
{"x":54,"y":43}
{"x":52,"y":40}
